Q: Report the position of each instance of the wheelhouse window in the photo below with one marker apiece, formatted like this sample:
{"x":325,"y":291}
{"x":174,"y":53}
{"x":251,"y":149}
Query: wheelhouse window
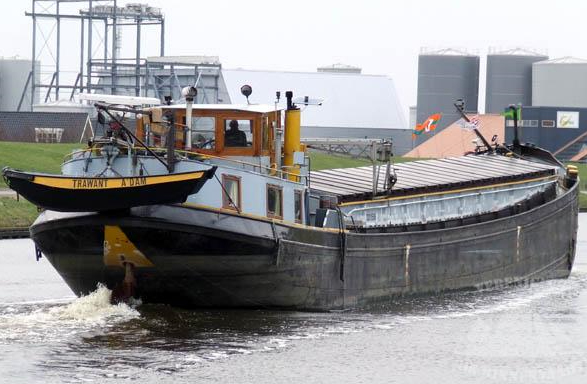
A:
{"x":298,"y":206}
{"x":238,"y":133}
{"x":231,"y":195}
{"x":203,"y":132}
{"x":274,"y":201}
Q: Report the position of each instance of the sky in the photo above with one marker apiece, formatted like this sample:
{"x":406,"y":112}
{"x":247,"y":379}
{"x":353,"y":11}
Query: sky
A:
{"x":381,"y":37}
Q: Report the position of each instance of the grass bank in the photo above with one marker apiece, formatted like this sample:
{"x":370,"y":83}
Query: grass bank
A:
{"x":583,"y":187}
{"x":34,"y":156}
{"x":29,"y":157}
{"x":16,"y":213}
{"x":321,"y":160}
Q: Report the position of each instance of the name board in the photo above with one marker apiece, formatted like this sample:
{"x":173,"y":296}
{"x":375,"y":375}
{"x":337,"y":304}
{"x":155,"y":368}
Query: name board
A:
{"x":109,"y":183}
{"x":567,"y":119}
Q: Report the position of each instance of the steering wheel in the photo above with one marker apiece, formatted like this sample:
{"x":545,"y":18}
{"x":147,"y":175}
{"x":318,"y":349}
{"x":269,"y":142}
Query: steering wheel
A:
{"x":205,"y":144}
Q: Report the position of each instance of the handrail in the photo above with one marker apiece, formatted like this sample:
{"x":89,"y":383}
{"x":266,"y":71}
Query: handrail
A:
{"x":203,"y":155}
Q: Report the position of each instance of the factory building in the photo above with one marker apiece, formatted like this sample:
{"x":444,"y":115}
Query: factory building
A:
{"x":560,"y":82}
{"x":354,"y":105}
{"x":509,"y":78}
{"x":45,"y":127}
{"x":455,"y":140}
{"x":443,"y":77}
{"x":14,"y":73}
{"x":166,"y":76}
{"x":561,"y":130}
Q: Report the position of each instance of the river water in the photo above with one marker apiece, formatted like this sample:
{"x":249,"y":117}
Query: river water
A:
{"x":528,"y":334}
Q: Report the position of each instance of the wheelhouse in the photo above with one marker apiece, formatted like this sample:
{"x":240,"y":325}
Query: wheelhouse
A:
{"x":261,"y":169}
{"x":216,"y":129}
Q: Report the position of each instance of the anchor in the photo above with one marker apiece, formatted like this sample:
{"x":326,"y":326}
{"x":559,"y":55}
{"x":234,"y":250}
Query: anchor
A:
{"x":123,"y":293}
{"x":119,"y":251}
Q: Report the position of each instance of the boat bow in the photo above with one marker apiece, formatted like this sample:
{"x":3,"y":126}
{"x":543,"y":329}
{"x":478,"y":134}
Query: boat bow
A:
{"x":97,"y":194}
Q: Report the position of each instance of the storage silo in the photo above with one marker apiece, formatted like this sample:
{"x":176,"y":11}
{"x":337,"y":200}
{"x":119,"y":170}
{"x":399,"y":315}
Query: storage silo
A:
{"x":509,"y":78}
{"x":443,"y":77}
{"x":13,"y":77}
{"x":560,"y":83}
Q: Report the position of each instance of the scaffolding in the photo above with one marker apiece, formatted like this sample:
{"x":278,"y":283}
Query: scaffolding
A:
{"x":99,"y":21}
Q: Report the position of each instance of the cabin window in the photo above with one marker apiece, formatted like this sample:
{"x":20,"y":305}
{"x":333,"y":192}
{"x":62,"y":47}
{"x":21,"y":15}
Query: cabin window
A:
{"x":274,"y":201}
{"x":231,"y":195}
{"x":298,"y":206}
{"x":203,"y":132}
{"x":238,"y":133}
{"x":528,"y":123}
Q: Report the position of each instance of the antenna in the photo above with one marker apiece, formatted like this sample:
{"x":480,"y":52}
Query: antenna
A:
{"x":460,"y":106}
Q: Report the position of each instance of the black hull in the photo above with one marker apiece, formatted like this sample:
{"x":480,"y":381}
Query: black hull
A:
{"x":69,"y":199}
{"x":232,"y":261}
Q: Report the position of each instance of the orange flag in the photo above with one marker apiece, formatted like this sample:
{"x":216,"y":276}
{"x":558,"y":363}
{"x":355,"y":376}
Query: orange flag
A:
{"x":428,"y":125}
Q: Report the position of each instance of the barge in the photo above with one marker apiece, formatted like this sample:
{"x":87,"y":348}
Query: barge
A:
{"x":262,"y":230}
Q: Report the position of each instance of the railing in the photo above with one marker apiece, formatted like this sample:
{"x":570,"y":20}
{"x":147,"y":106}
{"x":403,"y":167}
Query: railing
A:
{"x":270,"y":170}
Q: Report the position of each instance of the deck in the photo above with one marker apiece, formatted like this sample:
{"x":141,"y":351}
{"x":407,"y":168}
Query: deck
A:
{"x":425,"y":176}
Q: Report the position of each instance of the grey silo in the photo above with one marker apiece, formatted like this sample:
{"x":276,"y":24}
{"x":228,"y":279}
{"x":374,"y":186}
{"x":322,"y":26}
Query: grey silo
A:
{"x":509,"y":78}
{"x":560,"y":83}
{"x":443,"y":77}
{"x":13,"y":77}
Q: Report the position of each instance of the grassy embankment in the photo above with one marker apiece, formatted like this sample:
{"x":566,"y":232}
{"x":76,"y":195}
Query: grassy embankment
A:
{"x":29,"y":157}
{"x":583,"y":178}
{"x":48,"y":158}
{"x":319,"y":160}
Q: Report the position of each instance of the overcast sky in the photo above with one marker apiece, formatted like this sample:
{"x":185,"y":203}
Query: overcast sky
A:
{"x":382,"y":37}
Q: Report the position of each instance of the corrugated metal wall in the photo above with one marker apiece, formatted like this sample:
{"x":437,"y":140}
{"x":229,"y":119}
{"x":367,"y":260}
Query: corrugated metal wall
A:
{"x":442,"y":79}
{"x":509,"y":80}
{"x":562,"y":84}
{"x":533,"y":127}
{"x":13,"y":77}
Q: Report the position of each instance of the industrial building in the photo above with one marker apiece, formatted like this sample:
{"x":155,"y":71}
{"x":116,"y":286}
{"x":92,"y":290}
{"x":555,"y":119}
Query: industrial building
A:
{"x":560,"y":82}
{"x":45,"y":127}
{"x":14,"y":72}
{"x":443,"y":77}
{"x":455,"y":140}
{"x":354,"y":105}
{"x":561,"y":130}
{"x":509,"y":78}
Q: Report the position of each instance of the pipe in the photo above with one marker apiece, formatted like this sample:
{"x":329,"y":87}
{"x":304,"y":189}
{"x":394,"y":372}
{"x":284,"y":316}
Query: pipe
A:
{"x":292,"y":138}
{"x":188,"y":123}
{"x":516,"y":134}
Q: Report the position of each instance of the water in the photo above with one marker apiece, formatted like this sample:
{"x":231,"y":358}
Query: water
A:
{"x":535,"y":333}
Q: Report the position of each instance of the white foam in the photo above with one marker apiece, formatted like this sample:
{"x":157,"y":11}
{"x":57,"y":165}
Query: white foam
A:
{"x":54,"y":320}
{"x":94,"y":307}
